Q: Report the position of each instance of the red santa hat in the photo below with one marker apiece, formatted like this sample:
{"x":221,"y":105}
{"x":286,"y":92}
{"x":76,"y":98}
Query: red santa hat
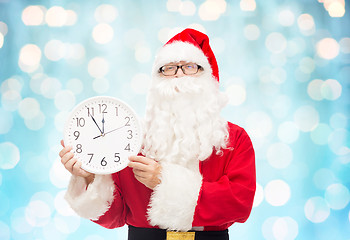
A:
{"x":191,"y":46}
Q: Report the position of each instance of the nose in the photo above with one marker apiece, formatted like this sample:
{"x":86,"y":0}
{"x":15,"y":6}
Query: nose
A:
{"x":179,"y":73}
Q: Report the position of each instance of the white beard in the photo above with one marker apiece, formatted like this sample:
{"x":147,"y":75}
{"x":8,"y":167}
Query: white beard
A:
{"x":183,"y":123}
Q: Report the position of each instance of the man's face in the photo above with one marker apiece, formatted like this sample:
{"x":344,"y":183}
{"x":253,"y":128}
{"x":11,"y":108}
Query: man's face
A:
{"x":181,"y":68}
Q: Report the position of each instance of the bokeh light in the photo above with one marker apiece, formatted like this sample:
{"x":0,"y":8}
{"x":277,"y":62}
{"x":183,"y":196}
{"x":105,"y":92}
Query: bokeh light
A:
{"x":9,"y":155}
{"x":277,"y":192}
{"x":56,"y":16}
{"x":102,"y":33}
{"x":337,"y":196}
{"x":344,"y":44}
{"x":3,"y":28}
{"x":306,"y":118}
{"x":6,"y":121}
{"x":288,"y":132}
{"x":338,"y":120}
{"x":276,"y":42}
{"x":280,"y":228}
{"x":106,"y":13}
{"x":100,"y":85}
{"x":75,"y":85}
{"x":19,"y":221}
{"x":1,"y":40}
{"x":284,"y":65}
{"x":29,"y":58}
{"x":211,"y":10}
{"x":252,"y":32}
{"x":142,"y":53}
{"x":98,"y":67}
{"x":306,"y":24}
{"x":320,"y":134}
{"x":285,"y":228}
{"x":38,"y":213}
{"x":259,"y":195}
{"x":323,"y":178}
{"x":29,"y":108}
{"x":32,"y":171}
{"x":35,"y":123}
{"x":316,"y":210}
{"x":140,"y":83}
{"x":279,"y":155}
{"x":286,"y":17}
{"x":338,"y":142}
{"x":67,"y":224}
{"x":50,"y":86}
{"x":55,"y":50}
{"x":327,"y":48}
{"x":187,"y":8}
{"x":61,"y":206}
{"x":335,"y":8}
{"x":248,"y":5}
{"x":64,"y":100}
{"x":33,"y":15}
{"x":59,"y":176}
{"x":260,"y":124}
{"x":237,"y":94}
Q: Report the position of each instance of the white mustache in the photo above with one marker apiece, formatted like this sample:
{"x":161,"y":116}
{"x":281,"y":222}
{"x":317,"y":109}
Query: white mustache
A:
{"x":175,"y":86}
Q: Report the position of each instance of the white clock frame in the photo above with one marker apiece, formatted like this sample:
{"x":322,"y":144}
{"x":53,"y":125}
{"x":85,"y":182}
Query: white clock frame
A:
{"x":100,"y":151}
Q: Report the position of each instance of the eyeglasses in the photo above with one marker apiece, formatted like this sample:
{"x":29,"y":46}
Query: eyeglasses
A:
{"x":188,"y":69}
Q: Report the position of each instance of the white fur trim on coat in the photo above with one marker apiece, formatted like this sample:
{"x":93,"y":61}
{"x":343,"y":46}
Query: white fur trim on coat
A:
{"x":180,"y":51}
{"x":91,"y":202}
{"x":173,"y":202}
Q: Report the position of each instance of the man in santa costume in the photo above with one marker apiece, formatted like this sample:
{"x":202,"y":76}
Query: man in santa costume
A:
{"x":195,"y":175}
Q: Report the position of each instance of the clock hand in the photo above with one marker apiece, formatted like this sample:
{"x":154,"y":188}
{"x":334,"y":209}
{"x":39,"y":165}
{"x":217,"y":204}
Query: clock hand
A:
{"x":96,"y":124}
{"x":109,"y":132}
{"x":103,"y":123}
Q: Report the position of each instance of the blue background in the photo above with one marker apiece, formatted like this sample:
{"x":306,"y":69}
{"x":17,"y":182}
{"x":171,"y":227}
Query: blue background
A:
{"x":284,"y":64}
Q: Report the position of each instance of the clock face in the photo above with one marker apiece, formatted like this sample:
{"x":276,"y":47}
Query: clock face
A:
{"x":103,"y":132}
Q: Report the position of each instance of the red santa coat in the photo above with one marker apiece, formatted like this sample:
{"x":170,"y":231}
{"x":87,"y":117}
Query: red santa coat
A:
{"x":220,"y":194}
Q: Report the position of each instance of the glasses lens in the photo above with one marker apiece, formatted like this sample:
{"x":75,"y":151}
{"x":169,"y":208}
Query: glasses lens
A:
{"x":168,"y":70}
{"x":190,"y":69}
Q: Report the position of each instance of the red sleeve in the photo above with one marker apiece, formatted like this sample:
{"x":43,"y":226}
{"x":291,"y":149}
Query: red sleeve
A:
{"x":230,"y":198}
{"x":116,"y":214}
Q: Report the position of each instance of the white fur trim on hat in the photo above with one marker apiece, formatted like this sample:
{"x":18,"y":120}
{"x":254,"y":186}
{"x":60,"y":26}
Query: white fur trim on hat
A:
{"x":180,"y":51}
{"x":93,"y":201}
{"x":173,"y":202}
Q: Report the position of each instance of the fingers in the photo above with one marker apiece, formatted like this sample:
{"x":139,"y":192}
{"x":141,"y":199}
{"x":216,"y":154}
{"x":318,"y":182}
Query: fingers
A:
{"x":141,"y":159}
{"x":77,"y":170}
{"x":69,"y":162}
{"x":142,"y":163}
{"x":76,"y":167}
{"x":67,"y":157}
{"x":146,"y":170}
{"x":64,"y":151}
{"x":141,"y":179}
{"x":62,"y":143}
{"x":139,"y":166}
{"x":141,"y":174}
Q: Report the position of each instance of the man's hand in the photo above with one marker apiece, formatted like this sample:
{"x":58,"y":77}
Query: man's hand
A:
{"x":73,"y":165}
{"x":146,"y":170}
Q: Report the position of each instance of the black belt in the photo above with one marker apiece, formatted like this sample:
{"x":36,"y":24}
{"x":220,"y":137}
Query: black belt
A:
{"x":136,"y":233}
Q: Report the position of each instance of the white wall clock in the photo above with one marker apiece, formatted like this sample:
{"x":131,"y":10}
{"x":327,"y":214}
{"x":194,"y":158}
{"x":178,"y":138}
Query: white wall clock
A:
{"x":104,"y":132}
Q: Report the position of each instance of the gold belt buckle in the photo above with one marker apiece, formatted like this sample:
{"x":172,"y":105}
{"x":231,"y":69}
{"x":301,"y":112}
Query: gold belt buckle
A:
{"x":170,"y":235}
